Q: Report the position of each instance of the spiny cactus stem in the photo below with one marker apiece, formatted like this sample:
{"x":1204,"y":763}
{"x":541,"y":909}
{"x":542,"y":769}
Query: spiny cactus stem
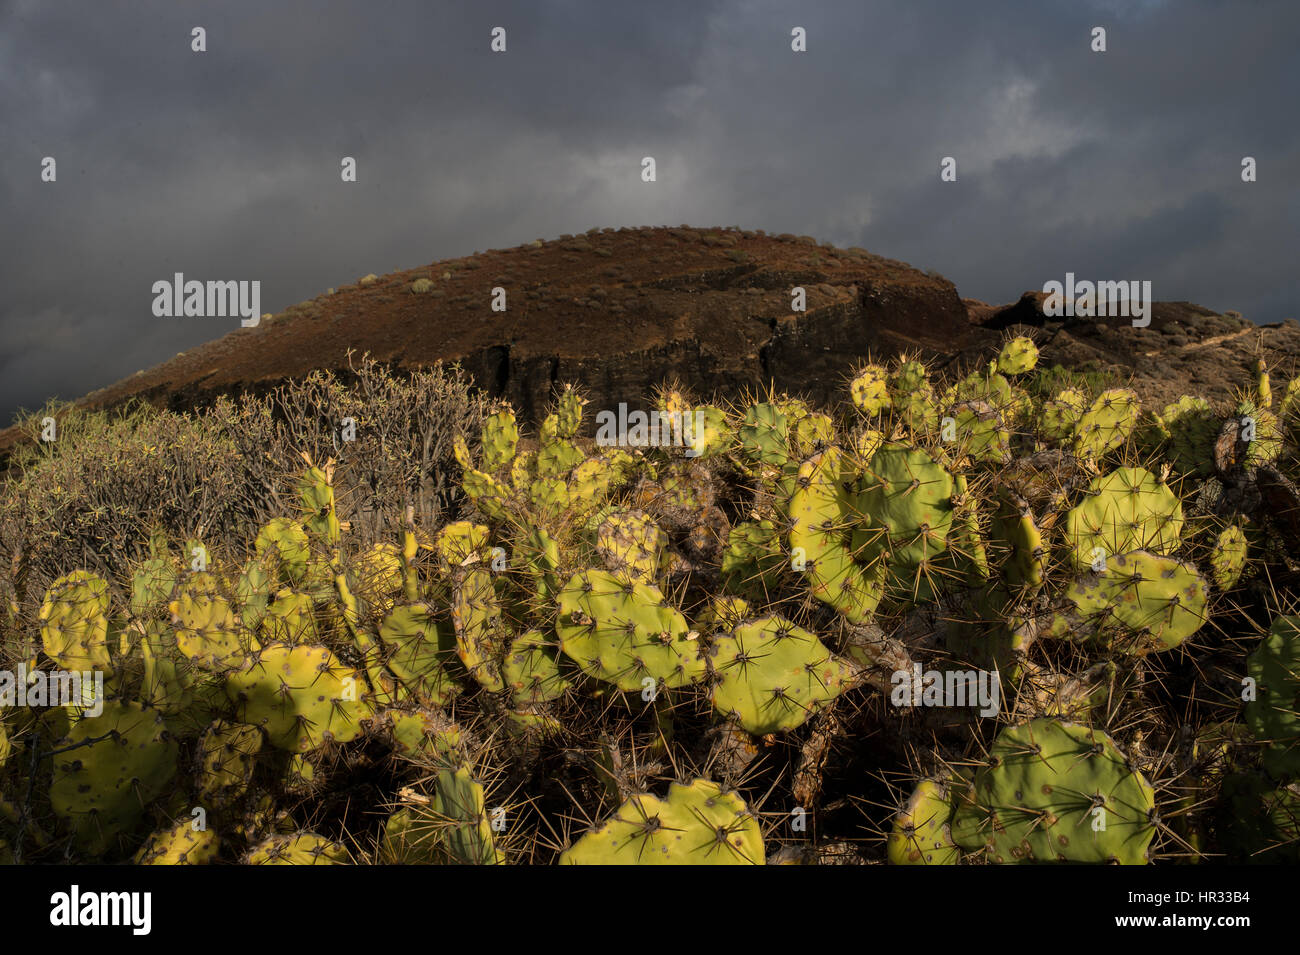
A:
{"x":352,"y":616}
{"x":410,"y":581}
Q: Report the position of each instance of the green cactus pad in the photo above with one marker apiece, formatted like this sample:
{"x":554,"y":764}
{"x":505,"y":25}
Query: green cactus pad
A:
{"x":921,"y":834}
{"x":1127,"y":509}
{"x":500,"y":438}
{"x":697,"y":824}
{"x":823,"y":514}
{"x":1018,"y":356}
{"x":557,"y":458}
{"x":152,"y":585}
{"x":772,"y":675}
{"x":112,"y":766}
{"x":1188,"y":427}
{"x":1054,"y":791}
{"x":905,"y":498}
{"x":763,"y":435}
{"x":1229,"y":558}
{"x":568,"y":412}
{"x":481,"y":636}
{"x":180,"y":844}
{"x":754,"y":562}
{"x":1150,"y":602}
{"x":912,"y":397}
{"x":74,"y":622}
{"x":290,"y":618}
{"x":869,"y":390}
{"x":624,"y":632}
{"x":1107,"y":424}
{"x":531,"y":670}
{"x":1060,"y":416}
{"x":226,"y":758}
{"x":461,"y":543}
{"x":301,"y":696}
{"x":286,"y":540}
{"x":422,"y":643}
{"x":491,"y":496}
{"x":1273,"y":716}
{"x":316,"y":502}
{"x":465,"y":829}
{"x":209,"y":633}
{"x":630,"y":543}
{"x":305,"y":848}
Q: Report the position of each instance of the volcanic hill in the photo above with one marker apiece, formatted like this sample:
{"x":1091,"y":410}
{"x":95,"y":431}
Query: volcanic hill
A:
{"x":619,"y":311}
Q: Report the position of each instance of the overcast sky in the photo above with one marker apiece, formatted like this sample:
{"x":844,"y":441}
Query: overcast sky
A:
{"x":225,"y":164}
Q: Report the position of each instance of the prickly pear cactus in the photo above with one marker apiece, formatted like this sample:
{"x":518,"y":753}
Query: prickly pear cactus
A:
{"x":74,"y":622}
{"x":630,"y":543}
{"x":1272,"y":715}
{"x":1144,"y":601}
{"x":422,"y":645}
{"x":1018,"y":356}
{"x":1107,"y":424}
{"x":532,"y":671}
{"x":907,"y":496}
{"x":740,"y":596}
{"x":763,"y":435}
{"x":624,"y":632}
{"x":1055,"y":791}
{"x":772,"y":675}
{"x":286,"y":540}
{"x":226,"y":754}
{"x":922,"y":834}
{"x":180,"y":844}
{"x":301,"y":696}
{"x":1127,"y":509}
{"x":316,"y":503}
{"x":823,"y":515}
{"x":461,"y":804}
{"x":305,"y":848}
{"x":209,"y":633}
{"x":697,"y":824}
{"x":109,"y":768}
{"x":869,"y":390}
{"x":481,"y":636}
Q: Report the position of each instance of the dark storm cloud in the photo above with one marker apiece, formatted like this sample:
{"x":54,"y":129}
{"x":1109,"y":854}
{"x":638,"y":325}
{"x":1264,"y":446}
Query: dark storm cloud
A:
{"x":225,"y":164}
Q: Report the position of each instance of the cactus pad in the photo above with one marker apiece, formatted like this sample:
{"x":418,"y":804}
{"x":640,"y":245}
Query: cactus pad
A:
{"x":698,"y":824}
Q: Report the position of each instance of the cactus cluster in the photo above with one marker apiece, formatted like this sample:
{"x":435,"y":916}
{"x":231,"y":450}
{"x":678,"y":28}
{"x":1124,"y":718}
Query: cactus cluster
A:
{"x":666,"y":654}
